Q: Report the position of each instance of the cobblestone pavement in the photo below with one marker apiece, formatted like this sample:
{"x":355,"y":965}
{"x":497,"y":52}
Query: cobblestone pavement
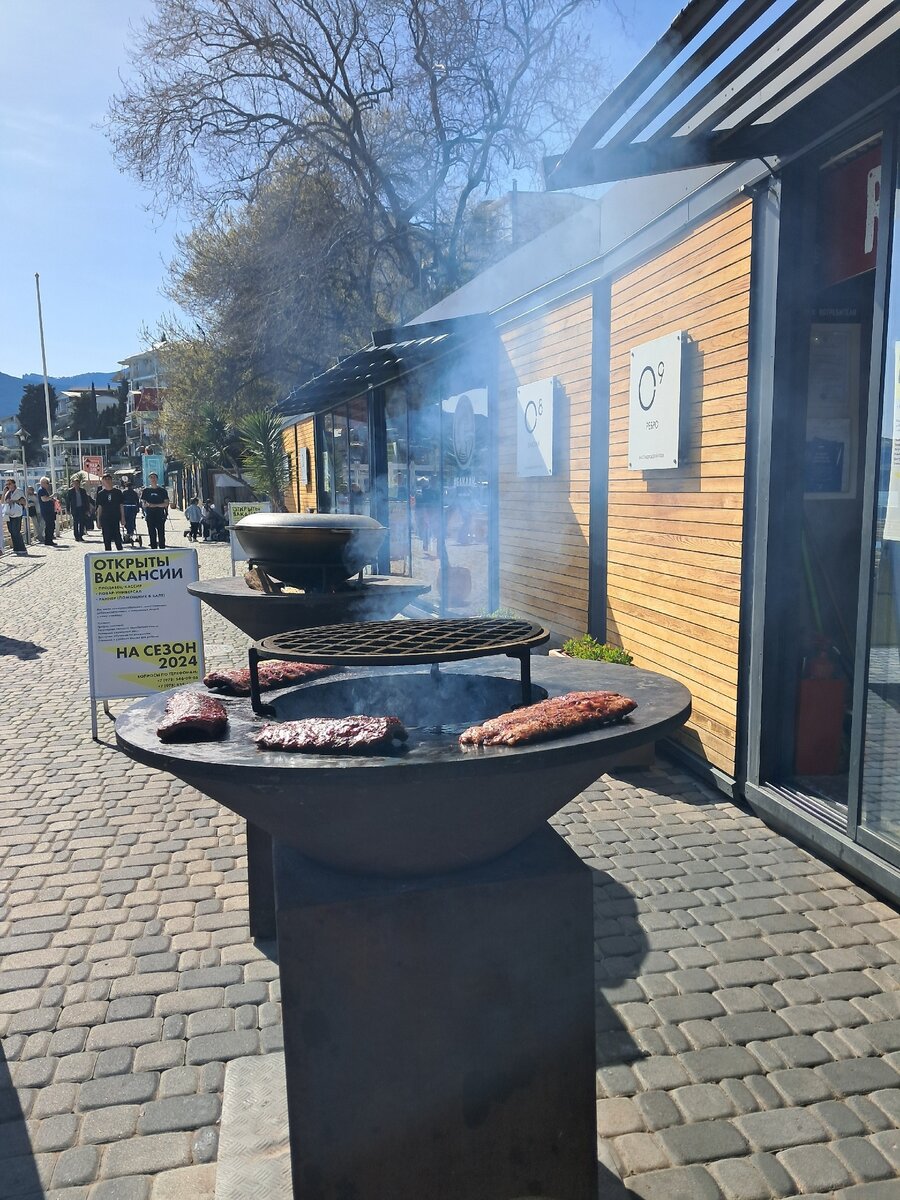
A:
{"x":748,"y":995}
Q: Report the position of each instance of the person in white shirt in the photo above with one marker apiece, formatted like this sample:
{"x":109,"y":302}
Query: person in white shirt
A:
{"x":13,"y":500}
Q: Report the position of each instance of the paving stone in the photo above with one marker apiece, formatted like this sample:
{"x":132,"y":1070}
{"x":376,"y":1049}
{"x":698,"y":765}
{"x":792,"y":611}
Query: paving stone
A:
{"x":55,"y":1133}
{"x":887,"y":1143}
{"x":218,"y":1047}
{"x":35,"y":1072}
{"x":191,"y":1000}
{"x":703,"y":1102}
{"x":680,"y":1183}
{"x":178,"y":1113}
{"x":55,"y":1099}
{"x":217,"y":1020}
{"x":127,"y":1187}
{"x":870,"y":1191}
{"x":657,"y":1110}
{"x":128,"y":1008}
{"x":815,"y":1169}
{"x":125,"y":1033}
{"x":159,"y":1056}
{"x":702,"y":1142}
{"x":859,"y":1075}
{"x":774,"y":1174}
{"x":205,"y":1144}
{"x":111,"y":1124}
{"x":689,"y":1007}
{"x":739,"y":1179}
{"x":76,"y":1166}
{"x":752,"y":1027}
{"x":800,"y":1086}
{"x":197,"y":1182}
{"x":75,"y":1068}
{"x":117,"y":1061}
{"x":801,"y":1051}
{"x":92,"y":1012}
{"x":864,"y":1161}
{"x":179,"y":1081}
{"x":842,"y":985}
{"x":617,"y":1116}
{"x":118,"y":1089}
{"x":719,"y":1062}
{"x":780,"y":1129}
{"x":661,"y":1073}
{"x":148,"y":1155}
{"x":638,"y":1152}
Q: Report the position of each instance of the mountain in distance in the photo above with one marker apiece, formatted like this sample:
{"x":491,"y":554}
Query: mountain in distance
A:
{"x":12,"y":386}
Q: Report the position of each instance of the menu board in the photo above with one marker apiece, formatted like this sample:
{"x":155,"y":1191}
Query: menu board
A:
{"x":144,"y":627}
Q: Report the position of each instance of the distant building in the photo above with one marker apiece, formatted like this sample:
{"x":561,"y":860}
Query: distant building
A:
{"x":9,"y":430}
{"x":146,"y":386}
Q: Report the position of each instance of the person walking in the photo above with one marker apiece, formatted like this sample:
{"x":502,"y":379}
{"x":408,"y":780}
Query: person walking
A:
{"x":48,"y":510}
{"x":155,"y":502}
{"x":131,"y":502}
{"x":78,"y":504}
{"x":34,"y":515}
{"x":13,"y":501}
{"x":110,"y":514}
{"x":194,"y":514}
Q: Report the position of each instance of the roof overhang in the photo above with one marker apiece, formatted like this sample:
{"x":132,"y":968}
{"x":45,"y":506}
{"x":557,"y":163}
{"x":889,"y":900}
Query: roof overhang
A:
{"x":763,"y":82}
{"x":392,"y":354}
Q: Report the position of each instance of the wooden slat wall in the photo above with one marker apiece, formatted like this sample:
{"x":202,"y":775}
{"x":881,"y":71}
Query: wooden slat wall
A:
{"x":305,"y":437}
{"x":674,"y":546}
{"x":544,"y":522}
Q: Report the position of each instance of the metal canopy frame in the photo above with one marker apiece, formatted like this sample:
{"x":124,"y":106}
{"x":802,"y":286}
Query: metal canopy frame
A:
{"x":811,"y":65}
{"x":393,"y":353}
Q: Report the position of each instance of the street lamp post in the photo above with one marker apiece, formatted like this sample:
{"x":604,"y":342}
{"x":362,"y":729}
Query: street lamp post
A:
{"x":23,"y":438}
{"x":37,"y":284}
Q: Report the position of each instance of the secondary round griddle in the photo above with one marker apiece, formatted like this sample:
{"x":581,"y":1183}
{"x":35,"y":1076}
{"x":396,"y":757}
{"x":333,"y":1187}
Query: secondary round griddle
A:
{"x":402,"y":643}
{"x":431,"y":806}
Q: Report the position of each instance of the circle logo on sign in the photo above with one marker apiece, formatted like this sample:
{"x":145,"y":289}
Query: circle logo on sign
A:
{"x":647,"y":385}
{"x":531,"y":416}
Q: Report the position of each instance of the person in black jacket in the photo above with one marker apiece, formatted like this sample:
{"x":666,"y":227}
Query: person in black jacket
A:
{"x":110,"y":514}
{"x":155,"y":502}
{"x":78,"y":502}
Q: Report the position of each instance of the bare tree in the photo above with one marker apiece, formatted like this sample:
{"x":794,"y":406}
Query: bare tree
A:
{"x":413,"y":108}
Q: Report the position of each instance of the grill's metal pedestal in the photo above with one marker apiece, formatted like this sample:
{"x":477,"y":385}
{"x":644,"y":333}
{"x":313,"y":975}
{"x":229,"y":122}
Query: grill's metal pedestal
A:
{"x":439,"y":1031}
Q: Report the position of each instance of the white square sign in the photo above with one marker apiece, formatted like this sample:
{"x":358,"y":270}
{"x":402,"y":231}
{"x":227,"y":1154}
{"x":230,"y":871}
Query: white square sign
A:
{"x":534,"y":438}
{"x":654,"y":410}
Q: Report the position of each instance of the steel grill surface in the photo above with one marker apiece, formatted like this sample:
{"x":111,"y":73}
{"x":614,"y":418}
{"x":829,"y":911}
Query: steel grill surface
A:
{"x":376,"y":643}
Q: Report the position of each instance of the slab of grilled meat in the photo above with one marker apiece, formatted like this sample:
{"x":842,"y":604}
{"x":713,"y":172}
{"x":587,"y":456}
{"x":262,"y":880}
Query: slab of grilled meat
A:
{"x":574,"y":712}
{"x":272,"y":674}
{"x":192,"y":717}
{"x":333,"y":735}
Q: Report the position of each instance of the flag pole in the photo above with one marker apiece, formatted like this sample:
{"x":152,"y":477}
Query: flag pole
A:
{"x":37,"y":284}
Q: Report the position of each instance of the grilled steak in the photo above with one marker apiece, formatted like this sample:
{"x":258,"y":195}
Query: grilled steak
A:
{"x":333,"y":735}
{"x":192,"y":717}
{"x":557,"y":716}
{"x":272,"y":674}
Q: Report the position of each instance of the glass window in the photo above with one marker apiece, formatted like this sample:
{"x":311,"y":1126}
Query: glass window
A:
{"x":880,"y":799}
{"x":397,"y":438}
{"x":358,"y":425}
{"x":341,"y":461}
{"x":425,"y":498}
{"x":465,"y":464}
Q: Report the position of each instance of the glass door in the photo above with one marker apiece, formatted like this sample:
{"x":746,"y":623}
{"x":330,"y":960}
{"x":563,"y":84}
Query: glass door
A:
{"x":875,"y":811}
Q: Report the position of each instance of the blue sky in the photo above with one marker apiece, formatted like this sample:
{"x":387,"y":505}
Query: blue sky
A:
{"x":67,"y":212}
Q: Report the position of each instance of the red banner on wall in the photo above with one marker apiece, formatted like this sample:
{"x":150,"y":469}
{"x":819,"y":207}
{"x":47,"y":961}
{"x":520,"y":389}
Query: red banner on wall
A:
{"x":850,"y":194}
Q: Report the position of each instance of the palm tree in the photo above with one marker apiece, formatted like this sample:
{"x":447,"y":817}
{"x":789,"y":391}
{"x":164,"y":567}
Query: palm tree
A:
{"x":263,"y":454}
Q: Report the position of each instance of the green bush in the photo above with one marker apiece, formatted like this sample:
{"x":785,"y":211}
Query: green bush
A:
{"x":589,"y":647}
